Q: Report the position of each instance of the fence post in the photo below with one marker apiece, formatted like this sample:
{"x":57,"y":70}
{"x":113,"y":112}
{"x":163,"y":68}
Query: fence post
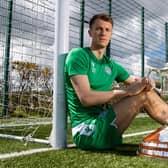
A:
{"x":6,"y":62}
{"x":109,"y":45}
{"x":142,"y":42}
{"x":82,"y":21}
{"x":166,"y":41}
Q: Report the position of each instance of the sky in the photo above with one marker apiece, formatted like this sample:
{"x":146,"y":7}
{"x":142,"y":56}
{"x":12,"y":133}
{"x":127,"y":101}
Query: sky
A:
{"x":155,"y":33}
{"x":32,"y":25}
{"x":159,"y":7}
{"x":43,"y":37}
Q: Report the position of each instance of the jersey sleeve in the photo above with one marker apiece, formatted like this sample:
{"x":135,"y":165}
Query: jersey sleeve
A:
{"x":122,"y":73}
{"x":77,"y":62}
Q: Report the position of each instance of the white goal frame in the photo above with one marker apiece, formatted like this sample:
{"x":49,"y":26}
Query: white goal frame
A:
{"x":58,"y":135}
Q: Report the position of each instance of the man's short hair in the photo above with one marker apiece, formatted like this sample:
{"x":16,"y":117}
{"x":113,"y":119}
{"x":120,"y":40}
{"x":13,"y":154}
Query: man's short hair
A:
{"x":102,"y":16}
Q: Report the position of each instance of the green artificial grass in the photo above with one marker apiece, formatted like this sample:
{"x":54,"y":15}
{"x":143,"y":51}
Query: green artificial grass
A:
{"x":76,"y":158}
{"x":142,"y":124}
{"x":9,"y":146}
{"x":121,"y":157}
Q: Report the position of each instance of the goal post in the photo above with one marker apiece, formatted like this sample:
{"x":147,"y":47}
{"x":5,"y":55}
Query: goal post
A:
{"x":58,"y":138}
{"x":39,"y":110}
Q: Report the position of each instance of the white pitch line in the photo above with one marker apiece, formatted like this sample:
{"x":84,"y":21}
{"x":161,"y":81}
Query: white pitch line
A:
{"x":28,"y":152}
{"x":25,"y":124}
{"x":137,"y":133}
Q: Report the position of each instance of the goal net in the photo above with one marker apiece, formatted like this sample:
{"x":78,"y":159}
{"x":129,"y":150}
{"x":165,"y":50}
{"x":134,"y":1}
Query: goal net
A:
{"x":26,"y":69}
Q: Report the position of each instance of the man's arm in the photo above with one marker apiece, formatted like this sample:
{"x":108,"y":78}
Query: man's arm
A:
{"x":150,"y":83}
{"x":89,"y":97}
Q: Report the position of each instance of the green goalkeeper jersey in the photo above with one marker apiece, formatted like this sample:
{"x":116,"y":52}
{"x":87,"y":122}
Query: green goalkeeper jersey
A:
{"x":101,"y":75}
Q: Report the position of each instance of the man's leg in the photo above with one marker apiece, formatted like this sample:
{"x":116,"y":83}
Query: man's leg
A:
{"x":129,"y":107}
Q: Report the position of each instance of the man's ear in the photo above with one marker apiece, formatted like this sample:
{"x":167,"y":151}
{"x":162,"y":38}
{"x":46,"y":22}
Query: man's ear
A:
{"x":89,"y":32}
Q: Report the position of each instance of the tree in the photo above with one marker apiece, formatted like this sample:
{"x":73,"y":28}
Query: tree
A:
{"x":31,"y":87}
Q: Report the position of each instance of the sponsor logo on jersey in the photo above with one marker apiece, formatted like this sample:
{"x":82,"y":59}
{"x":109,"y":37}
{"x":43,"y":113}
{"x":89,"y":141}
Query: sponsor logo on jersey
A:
{"x":83,"y":129}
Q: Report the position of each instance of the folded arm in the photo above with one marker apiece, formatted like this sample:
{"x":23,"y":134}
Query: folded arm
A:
{"x":89,"y":97}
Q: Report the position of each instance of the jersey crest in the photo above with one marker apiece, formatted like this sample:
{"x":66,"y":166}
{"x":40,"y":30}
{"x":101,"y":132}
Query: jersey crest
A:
{"x":93,"y":67}
{"x":108,"y":70}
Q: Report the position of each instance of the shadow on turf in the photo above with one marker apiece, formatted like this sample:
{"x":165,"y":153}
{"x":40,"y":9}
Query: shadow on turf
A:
{"x":124,"y":149}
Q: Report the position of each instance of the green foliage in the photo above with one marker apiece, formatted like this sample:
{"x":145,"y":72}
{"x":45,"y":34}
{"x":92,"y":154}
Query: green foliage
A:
{"x":165,"y":97}
{"x":19,"y":112}
{"x":33,"y":91}
{"x":35,"y":103}
{"x":0,"y":110}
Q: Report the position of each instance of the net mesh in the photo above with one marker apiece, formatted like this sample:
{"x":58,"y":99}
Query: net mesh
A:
{"x":30,"y":65}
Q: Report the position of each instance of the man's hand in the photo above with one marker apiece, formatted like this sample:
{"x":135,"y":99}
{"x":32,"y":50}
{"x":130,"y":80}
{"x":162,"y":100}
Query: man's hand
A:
{"x":143,"y":84}
{"x":135,"y":88}
{"x":150,"y":83}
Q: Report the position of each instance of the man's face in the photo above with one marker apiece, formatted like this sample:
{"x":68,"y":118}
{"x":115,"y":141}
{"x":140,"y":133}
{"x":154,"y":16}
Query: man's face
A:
{"x":100,"y":32}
